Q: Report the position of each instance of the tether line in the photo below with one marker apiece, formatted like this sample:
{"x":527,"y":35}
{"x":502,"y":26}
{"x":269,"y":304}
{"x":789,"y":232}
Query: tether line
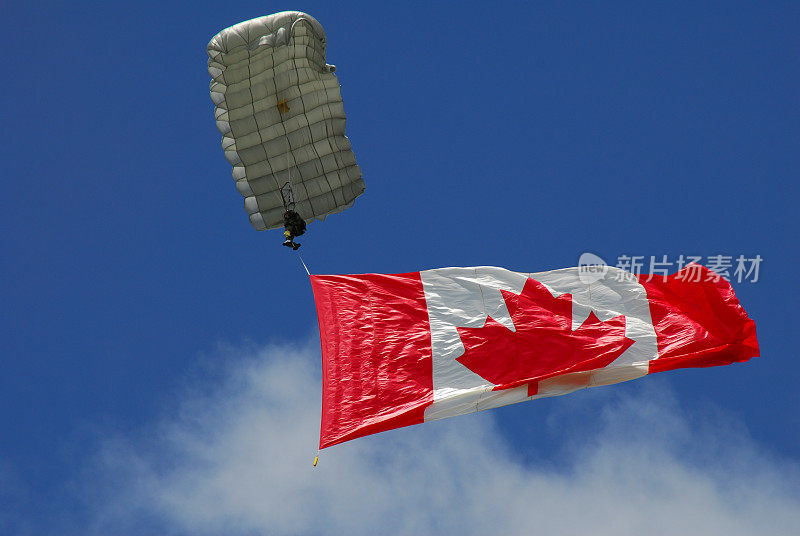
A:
{"x":304,"y":264}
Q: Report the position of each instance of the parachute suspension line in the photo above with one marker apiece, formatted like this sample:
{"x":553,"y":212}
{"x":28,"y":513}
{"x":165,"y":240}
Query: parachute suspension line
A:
{"x":283,"y":108}
{"x":287,"y":196}
{"x":310,"y":134}
{"x":288,"y":169}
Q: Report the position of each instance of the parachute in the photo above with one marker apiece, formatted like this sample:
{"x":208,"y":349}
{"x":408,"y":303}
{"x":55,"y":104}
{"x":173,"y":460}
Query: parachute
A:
{"x":280,"y":111}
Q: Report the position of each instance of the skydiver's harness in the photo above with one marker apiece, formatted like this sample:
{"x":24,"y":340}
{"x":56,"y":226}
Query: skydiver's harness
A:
{"x":293,"y":223}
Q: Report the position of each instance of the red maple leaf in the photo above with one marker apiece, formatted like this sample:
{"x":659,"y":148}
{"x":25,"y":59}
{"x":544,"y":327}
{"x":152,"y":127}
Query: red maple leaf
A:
{"x":543,"y":344}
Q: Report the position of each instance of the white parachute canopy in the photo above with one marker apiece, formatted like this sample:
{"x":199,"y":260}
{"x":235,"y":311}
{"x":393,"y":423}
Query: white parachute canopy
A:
{"x":279,"y":109}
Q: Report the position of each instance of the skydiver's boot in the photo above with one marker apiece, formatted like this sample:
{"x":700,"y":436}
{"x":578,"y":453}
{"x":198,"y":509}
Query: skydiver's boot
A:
{"x":289,"y":242}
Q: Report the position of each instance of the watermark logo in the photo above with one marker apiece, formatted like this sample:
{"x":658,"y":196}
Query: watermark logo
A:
{"x":591,"y":268}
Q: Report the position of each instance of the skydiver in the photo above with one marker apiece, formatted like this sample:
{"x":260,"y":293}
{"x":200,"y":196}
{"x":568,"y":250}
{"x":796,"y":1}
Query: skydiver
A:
{"x":295,"y":226}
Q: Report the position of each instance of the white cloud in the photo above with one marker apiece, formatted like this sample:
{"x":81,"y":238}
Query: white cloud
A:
{"x":237,"y":460}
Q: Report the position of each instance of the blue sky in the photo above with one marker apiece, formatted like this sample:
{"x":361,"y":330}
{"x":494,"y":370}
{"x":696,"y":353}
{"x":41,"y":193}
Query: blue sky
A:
{"x":142,"y":316}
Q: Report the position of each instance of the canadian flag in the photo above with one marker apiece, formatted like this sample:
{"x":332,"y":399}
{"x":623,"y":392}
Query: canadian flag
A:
{"x":402,"y":349}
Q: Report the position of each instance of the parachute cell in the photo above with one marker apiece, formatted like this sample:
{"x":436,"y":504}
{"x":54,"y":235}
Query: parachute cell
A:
{"x":280,"y":112}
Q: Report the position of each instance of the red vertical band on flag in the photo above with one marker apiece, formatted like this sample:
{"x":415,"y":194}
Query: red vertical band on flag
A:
{"x":376,"y":353}
{"x":698,"y":320}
